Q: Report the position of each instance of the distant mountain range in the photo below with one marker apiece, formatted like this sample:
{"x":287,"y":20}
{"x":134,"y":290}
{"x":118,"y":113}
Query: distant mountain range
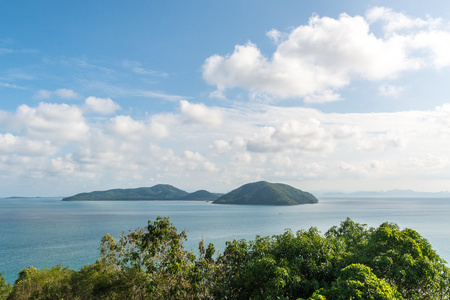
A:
{"x":390,"y":193}
{"x":257,"y":193}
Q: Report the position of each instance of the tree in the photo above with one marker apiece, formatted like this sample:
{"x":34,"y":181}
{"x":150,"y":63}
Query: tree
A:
{"x":357,"y":282}
{"x":5,"y":288}
{"x":286,"y":265}
{"x":154,"y":262}
{"x":350,"y":261}
{"x":407,"y":261}
{"x":53,"y":283}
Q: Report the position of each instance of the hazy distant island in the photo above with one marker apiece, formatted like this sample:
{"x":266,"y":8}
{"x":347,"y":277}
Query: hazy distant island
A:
{"x":257,"y":193}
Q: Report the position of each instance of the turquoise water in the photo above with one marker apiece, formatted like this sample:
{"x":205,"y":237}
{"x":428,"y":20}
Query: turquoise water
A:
{"x":44,"y":232}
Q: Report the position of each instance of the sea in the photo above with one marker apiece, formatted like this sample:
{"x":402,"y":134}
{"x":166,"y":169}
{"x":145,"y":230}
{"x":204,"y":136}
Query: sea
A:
{"x":44,"y":232}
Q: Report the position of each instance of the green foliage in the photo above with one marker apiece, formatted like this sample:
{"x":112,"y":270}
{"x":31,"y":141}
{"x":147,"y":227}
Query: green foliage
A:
{"x":265,"y":193}
{"x":287,"y":265}
{"x":157,"y":192}
{"x":5,"y":288}
{"x":350,"y":261}
{"x":53,"y":283}
{"x":358,"y":282}
{"x":407,"y":261}
{"x":201,"y":195}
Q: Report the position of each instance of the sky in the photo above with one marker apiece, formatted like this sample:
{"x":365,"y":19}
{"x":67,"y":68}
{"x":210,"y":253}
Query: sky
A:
{"x":321,"y":95}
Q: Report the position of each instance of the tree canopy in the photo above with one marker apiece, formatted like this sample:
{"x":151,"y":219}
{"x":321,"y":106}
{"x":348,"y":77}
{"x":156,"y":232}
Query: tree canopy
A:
{"x":350,"y":261}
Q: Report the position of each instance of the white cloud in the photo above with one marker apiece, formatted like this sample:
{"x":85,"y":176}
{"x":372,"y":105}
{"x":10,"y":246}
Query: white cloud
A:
{"x":43,"y":94}
{"x":307,"y":136}
{"x":59,"y":93}
{"x":276,"y":35}
{"x":125,"y":127}
{"x":61,"y":166}
{"x":241,"y":158}
{"x":345,"y":131}
{"x":58,"y":123}
{"x":382,"y":141}
{"x":388,"y":90}
{"x":130,"y":129}
{"x":103,"y":106}
{"x":159,"y":126}
{"x":319,"y":58}
{"x":10,"y":144}
{"x":322,"y":97}
{"x":283,"y":144}
{"x":65,"y":94}
{"x":195,"y":161}
{"x":394,"y":21}
{"x":201,"y":114}
{"x":220,"y":147}
{"x":281,"y":160}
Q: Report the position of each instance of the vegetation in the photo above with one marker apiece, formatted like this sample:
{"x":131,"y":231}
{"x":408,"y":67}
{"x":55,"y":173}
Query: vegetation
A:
{"x":262,"y":192}
{"x":201,"y":195}
{"x":265,"y":193}
{"x":5,"y":288}
{"x":157,"y":192}
{"x":350,"y":261}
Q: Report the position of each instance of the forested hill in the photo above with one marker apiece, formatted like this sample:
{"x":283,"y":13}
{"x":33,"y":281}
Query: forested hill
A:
{"x":157,"y":192}
{"x":257,"y":193}
{"x":265,"y":193}
{"x":201,"y":195}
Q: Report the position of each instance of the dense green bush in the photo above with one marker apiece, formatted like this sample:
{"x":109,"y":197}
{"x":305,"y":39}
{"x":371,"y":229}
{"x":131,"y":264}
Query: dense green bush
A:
{"x":350,"y":261}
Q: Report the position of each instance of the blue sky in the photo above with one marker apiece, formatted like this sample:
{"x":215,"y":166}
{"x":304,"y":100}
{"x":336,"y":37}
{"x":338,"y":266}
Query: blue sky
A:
{"x":322,"y":95}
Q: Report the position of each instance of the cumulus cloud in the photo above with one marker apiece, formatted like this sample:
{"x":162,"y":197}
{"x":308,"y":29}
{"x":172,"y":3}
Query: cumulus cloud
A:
{"x":318,"y":59}
{"x":200,"y":114}
{"x":59,"y":93}
{"x":395,"y":21}
{"x":345,"y":131}
{"x":125,"y":127}
{"x":295,"y":136}
{"x":382,"y":141}
{"x":57,"y":142}
{"x":220,"y":147}
{"x":276,"y":35}
{"x":128,"y":128}
{"x":195,"y":161}
{"x":241,"y":158}
{"x":61,"y":166}
{"x":103,"y":106}
{"x":54,"y":122}
{"x":10,"y":144}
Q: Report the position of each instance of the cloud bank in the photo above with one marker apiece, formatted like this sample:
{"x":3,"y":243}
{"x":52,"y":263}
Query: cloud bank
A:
{"x":64,"y":144}
{"x":316,"y":60}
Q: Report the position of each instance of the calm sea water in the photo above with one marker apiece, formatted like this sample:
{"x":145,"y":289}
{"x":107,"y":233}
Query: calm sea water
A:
{"x":44,"y":232}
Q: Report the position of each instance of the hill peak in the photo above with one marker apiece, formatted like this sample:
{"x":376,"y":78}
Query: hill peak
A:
{"x":266,"y":193}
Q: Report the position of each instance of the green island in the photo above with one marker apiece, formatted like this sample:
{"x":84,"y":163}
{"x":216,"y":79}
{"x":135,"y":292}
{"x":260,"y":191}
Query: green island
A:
{"x":157,"y":192}
{"x":350,"y":261}
{"x":257,"y":193}
{"x":266,"y":193}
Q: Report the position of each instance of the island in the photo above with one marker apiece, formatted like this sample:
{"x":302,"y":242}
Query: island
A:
{"x":266,"y":193}
{"x":257,"y":193}
{"x":157,"y":192}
